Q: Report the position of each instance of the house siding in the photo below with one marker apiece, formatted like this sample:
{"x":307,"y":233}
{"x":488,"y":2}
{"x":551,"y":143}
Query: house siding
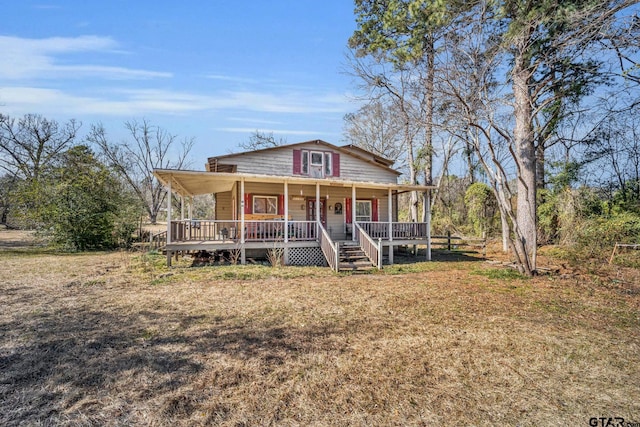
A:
{"x":298,"y":195}
{"x":280,"y":162}
{"x":224,"y":211}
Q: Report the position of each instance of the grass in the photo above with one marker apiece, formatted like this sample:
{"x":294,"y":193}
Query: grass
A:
{"x":119,"y":339}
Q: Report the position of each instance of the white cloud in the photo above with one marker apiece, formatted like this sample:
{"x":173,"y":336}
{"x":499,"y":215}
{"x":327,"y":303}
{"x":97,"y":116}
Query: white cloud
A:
{"x":232,"y":79}
{"x":274,"y":131}
{"x":128,"y":102}
{"x":37,"y":58}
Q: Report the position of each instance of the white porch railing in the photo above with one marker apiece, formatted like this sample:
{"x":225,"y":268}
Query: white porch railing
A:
{"x":399,"y":230}
{"x":372,"y":249}
{"x":220,"y":231}
{"x":329,"y":248}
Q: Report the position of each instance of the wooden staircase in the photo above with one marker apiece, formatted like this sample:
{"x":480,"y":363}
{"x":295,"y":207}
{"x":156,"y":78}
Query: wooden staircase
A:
{"x":352,"y":258}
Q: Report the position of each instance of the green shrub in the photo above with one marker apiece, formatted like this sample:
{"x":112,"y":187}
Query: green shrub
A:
{"x":597,"y":236}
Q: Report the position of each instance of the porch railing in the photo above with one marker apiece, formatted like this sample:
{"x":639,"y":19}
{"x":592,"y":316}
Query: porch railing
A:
{"x":399,"y":230}
{"x":220,"y":231}
{"x":372,"y":249}
{"x":158,"y":241}
{"x":329,"y":248}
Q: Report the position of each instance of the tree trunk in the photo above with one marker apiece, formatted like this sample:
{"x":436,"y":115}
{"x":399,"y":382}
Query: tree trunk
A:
{"x":504,"y":222}
{"x":540,"y":184}
{"x":428,"y":121}
{"x":525,"y":153}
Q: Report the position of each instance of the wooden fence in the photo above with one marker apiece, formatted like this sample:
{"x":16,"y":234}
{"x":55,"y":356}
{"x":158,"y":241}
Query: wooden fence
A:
{"x":450,"y":242}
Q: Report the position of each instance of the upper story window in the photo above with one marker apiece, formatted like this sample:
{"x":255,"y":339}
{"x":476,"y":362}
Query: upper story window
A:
{"x":316,"y":164}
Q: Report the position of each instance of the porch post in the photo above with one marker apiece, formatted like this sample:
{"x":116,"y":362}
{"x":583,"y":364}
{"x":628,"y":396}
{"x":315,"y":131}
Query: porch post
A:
{"x":317,"y":206}
{"x":428,"y":218}
{"x":285,"y":253}
{"x":169,"y":212}
{"x":169,"y":223}
{"x":353,"y":212}
{"x":390,"y":213}
{"x":190,"y":208}
{"x":182,"y":207}
{"x":286,"y":212}
{"x":243,"y":259}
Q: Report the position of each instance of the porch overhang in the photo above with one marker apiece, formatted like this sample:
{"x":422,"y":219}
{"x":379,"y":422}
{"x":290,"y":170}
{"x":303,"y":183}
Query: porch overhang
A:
{"x":193,"y":183}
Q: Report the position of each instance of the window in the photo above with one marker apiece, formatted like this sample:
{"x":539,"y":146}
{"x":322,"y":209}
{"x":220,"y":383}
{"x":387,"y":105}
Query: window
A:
{"x":363,"y":210}
{"x":316,"y":164}
{"x":305,"y":163}
{"x":316,"y":158}
{"x":316,"y":169}
{"x":327,"y":164}
{"x":265,"y":205}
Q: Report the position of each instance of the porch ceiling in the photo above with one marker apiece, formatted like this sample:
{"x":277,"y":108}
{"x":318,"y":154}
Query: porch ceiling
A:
{"x":193,"y":183}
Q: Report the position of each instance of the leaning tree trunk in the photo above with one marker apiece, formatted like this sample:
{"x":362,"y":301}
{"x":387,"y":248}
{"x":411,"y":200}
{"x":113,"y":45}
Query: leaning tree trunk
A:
{"x":525,"y":156}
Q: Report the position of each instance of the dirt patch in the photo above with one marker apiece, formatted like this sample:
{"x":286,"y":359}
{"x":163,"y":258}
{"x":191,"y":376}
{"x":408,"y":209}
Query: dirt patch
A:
{"x":14,"y":239}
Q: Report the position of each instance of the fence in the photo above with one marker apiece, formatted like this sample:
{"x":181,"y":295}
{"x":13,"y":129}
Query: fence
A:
{"x":450,"y":242}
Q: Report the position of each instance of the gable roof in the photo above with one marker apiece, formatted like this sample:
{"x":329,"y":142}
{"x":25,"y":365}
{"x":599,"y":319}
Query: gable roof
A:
{"x":350,"y":150}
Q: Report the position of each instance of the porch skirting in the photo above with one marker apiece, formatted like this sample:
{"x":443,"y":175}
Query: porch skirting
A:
{"x":305,"y":253}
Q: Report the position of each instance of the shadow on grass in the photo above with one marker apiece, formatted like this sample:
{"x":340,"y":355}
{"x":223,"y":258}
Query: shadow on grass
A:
{"x":440,"y":255}
{"x":59,"y":366}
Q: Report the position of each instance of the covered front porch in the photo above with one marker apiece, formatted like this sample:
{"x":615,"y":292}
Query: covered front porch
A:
{"x":299,"y":215}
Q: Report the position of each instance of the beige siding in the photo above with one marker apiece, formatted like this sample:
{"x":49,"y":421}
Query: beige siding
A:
{"x":224,"y":207}
{"x":280,"y":162}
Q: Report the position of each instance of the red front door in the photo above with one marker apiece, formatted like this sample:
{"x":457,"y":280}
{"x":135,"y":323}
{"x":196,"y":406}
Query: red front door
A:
{"x":311,"y":211}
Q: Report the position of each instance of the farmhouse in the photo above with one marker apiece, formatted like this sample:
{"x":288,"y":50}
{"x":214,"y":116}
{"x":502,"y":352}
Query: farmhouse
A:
{"x":314,"y":202}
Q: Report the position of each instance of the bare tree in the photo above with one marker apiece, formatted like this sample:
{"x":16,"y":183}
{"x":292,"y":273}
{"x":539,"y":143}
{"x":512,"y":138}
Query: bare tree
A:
{"x":260,"y":140}
{"x":32,"y":143}
{"x":149,"y":147}
{"x":394,"y":87}
{"x":377,"y":127}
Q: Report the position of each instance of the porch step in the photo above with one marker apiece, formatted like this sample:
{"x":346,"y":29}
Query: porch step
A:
{"x":353,"y":258}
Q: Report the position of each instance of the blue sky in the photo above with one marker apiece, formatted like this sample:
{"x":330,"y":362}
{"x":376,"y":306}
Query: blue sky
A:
{"x":214,"y":70}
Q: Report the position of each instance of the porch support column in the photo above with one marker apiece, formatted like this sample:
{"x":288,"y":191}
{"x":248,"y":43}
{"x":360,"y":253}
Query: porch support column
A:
{"x":286,"y":211}
{"x":353,"y":211}
{"x":182,"y":207}
{"x":428,"y":218}
{"x":390,"y":217}
{"x":285,"y":254}
{"x":243,"y":258}
{"x":318,"y":204}
{"x":169,"y":222}
{"x":190,"y":208}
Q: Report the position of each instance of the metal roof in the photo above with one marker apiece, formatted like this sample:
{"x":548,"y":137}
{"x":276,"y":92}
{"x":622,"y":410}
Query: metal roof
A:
{"x":193,"y":183}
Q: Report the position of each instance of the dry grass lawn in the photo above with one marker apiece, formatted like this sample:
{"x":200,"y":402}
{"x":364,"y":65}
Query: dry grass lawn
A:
{"x":117,"y":339}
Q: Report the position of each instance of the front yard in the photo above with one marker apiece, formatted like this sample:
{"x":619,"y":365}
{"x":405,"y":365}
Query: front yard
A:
{"x":118,"y":339}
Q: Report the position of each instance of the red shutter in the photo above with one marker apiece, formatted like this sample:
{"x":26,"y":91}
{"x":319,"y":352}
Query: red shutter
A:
{"x":335,"y":160}
{"x":347,"y":210}
{"x":374,"y":210}
{"x":280,"y":204}
{"x":248,"y":206}
{"x":297,"y":162}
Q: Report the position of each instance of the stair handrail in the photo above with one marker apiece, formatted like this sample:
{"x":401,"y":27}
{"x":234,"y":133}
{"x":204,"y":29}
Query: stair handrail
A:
{"x":369,"y":246}
{"x":158,"y":241}
{"x":329,"y":248}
